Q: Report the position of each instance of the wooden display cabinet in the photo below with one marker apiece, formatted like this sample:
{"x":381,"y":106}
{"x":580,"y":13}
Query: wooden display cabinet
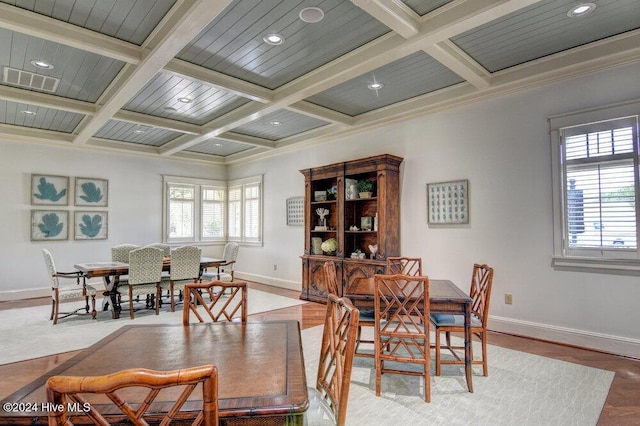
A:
{"x":355,"y":222}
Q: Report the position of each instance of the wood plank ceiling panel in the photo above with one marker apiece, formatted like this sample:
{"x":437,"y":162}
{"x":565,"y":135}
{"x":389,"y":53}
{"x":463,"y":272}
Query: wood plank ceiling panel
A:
{"x":422,"y":7}
{"x":126,"y":132}
{"x":161,"y":97}
{"x":219,"y":147}
{"x":543,"y":29}
{"x":403,"y":79}
{"x":39,"y":117}
{"x":233,"y":43}
{"x":279,"y":125}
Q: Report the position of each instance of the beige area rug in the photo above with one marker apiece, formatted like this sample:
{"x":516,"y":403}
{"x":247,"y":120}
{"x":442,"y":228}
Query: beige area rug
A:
{"x":521,"y":389}
{"x":27,"y":333}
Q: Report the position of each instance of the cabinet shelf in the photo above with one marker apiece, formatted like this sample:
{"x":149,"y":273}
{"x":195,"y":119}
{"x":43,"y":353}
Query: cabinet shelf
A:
{"x":360,"y":232}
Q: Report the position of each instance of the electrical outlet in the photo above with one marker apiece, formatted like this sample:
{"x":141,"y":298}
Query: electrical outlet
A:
{"x":275,"y":267}
{"x":508,"y":299}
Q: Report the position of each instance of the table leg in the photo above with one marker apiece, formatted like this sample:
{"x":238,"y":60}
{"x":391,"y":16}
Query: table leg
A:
{"x":111,"y":297}
{"x":468,"y":349}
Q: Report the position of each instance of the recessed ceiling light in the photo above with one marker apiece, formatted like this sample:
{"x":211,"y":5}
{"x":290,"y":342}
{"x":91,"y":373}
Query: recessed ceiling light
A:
{"x":275,"y":123}
{"x":581,"y":10}
{"x":375,"y":85}
{"x":41,"y":64}
{"x":311,"y":14}
{"x":185,"y":100}
{"x":138,"y":131}
{"x":25,"y":112}
{"x":170,"y":109}
{"x":218,"y":144}
{"x":273,"y":39}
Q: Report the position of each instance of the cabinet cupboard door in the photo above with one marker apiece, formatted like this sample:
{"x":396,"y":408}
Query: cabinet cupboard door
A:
{"x":354,"y":271}
{"x":317,"y":288}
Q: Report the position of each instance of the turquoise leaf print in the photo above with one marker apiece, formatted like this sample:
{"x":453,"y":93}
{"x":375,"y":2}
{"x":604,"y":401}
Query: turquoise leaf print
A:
{"x":91,"y":226}
{"x":48,"y":191}
{"x":92,"y":194}
{"x":50,"y":225}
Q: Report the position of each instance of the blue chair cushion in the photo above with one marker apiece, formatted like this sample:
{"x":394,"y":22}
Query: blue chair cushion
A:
{"x":447,"y":320}
{"x":367,"y":314}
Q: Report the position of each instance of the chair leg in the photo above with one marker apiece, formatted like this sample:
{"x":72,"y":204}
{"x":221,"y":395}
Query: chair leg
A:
{"x":53,"y":309}
{"x":485,"y":367}
{"x":130,"y":302}
{"x":158,"y":296}
{"x":427,"y":377}
{"x":173,"y":303}
{"x":437,"y":351}
{"x":56,"y":306}
{"x":93,"y":307}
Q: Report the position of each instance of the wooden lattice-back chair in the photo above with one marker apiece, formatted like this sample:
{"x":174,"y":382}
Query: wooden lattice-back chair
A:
{"x":404,"y":265}
{"x":328,"y":400}
{"x":402,"y":327}
{"x":226,"y":301}
{"x":59,"y":293}
{"x":480,"y":292}
{"x":331,"y":278}
{"x":145,"y":274}
{"x":185,"y":268}
{"x":63,"y":390}
{"x":224,"y":271}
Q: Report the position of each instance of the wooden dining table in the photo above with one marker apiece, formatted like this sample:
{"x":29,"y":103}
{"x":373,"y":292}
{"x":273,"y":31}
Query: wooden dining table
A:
{"x":110,"y":272}
{"x":445,"y":298}
{"x":261,"y":373}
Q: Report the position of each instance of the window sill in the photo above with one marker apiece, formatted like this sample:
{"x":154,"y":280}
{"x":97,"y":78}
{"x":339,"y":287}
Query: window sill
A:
{"x":603,"y":266}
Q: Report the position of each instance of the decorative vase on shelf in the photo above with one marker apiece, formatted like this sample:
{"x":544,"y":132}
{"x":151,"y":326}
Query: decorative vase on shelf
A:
{"x":316,"y":243}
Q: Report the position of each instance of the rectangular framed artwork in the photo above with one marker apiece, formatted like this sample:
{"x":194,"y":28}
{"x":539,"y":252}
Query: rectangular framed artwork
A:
{"x":295,"y":211}
{"x":91,"y":192}
{"x":90,"y":225}
{"x":49,"y":225}
{"x":448,"y":202}
{"x":49,"y":190}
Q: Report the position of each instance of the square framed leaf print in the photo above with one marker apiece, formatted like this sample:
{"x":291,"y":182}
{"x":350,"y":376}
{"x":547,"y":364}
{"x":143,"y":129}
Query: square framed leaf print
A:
{"x":91,"y":192}
{"x":90,"y":225}
{"x":49,"y":190}
{"x":49,"y":225}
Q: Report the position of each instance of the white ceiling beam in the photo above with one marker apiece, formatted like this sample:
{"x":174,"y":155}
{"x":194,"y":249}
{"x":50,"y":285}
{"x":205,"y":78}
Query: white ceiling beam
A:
{"x":180,"y":26}
{"x":221,"y":81}
{"x":452,"y":57}
{"x":158,"y":122}
{"x":393,"y":13}
{"x":247,"y":140}
{"x":321,"y":113}
{"x":29,"y":97}
{"x":33,"y":24}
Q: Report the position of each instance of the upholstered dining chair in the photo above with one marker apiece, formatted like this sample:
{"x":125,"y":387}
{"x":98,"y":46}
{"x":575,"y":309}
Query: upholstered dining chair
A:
{"x":328,"y":399}
{"x":120,"y":253}
{"x":59,"y":293}
{"x":480,"y":293}
{"x":226,"y":301}
{"x":404,"y":265}
{"x":402,"y":328}
{"x":165,"y":248}
{"x":145,"y":274}
{"x":185,"y":268}
{"x":331,"y":278}
{"x":224,"y":272}
{"x":120,"y":389}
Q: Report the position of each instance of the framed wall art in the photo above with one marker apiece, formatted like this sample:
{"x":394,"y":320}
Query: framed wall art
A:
{"x":448,"y":202}
{"x":49,"y":225}
{"x":90,"y":225}
{"x":49,"y":190}
{"x":295,"y":211}
{"x":91,"y":192}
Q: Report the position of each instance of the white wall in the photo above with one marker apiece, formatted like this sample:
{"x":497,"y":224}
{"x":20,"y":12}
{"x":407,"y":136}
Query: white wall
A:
{"x":134,"y":210}
{"x":502,"y":146}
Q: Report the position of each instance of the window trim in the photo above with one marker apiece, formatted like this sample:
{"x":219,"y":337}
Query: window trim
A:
{"x":561,"y":260}
{"x":198,"y":184}
{"x":242,"y":184}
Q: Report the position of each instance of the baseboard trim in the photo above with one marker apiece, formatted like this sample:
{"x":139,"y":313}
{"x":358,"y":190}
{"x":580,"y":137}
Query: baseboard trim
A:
{"x":596,"y":341}
{"x":34,"y":293}
{"x":263,"y":279}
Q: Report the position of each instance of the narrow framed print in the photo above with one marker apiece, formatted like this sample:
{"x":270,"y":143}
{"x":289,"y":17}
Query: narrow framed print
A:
{"x":295,"y":211}
{"x":91,"y":192}
{"x":448,"y":202}
{"x":49,"y":190}
{"x":49,"y":225}
{"x":90,"y":225}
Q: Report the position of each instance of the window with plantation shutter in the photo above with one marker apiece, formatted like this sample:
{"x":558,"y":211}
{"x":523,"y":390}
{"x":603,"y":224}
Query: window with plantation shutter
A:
{"x":596,"y":193}
{"x":235,"y":213}
{"x":213,"y":213}
{"x":245,"y":210}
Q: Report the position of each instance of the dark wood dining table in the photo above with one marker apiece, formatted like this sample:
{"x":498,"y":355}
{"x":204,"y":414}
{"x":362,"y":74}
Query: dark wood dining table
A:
{"x":111,"y":272}
{"x":261,"y":373}
{"x":445,"y":298}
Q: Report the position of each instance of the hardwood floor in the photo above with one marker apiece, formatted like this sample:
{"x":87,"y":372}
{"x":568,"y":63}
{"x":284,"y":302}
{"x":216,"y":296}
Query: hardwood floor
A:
{"x":621,"y":408}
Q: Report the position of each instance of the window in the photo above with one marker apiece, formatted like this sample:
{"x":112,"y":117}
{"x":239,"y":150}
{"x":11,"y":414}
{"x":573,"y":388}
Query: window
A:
{"x":197,"y":210}
{"x":245,"y":210}
{"x":194,"y":210}
{"x":596,"y":188}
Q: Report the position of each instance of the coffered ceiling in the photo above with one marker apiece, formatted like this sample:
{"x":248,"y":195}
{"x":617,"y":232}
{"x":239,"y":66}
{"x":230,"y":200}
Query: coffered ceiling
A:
{"x":197,"y":80}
